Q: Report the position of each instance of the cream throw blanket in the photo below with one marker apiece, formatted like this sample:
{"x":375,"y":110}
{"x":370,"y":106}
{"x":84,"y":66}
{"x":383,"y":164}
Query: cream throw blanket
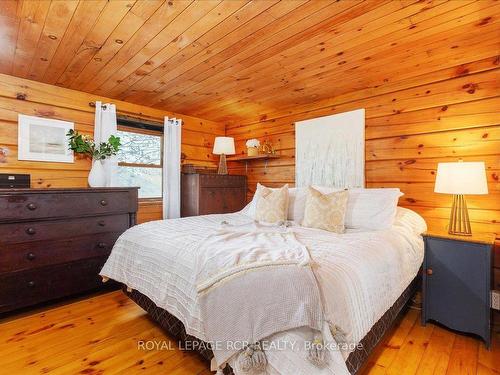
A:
{"x":254,"y":280}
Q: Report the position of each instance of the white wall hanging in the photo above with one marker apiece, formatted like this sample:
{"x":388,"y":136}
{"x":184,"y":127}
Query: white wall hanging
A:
{"x":330,"y":150}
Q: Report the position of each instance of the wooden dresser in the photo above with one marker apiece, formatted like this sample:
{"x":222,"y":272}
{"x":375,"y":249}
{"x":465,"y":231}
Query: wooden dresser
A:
{"x":204,"y":194}
{"x":53,"y":242}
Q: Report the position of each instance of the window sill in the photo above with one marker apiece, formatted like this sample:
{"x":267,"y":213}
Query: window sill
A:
{"x":150,"y":201}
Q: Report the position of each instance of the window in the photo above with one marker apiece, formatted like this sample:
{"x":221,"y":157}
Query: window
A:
{"x":140,"y":161}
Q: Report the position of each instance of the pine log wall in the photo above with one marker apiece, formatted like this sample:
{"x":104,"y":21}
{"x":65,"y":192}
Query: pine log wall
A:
{"x":21,"y":96}
{"x":411,"y":125}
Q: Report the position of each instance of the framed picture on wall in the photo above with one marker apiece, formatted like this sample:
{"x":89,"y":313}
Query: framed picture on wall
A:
{"x":43,"y":139}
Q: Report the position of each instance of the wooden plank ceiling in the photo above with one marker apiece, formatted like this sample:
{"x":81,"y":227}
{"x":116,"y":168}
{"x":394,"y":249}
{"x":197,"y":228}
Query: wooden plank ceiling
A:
{"x":236,"y":61}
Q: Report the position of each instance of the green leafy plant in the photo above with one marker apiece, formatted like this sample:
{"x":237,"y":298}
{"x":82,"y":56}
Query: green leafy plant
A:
{"x":83,"y":144}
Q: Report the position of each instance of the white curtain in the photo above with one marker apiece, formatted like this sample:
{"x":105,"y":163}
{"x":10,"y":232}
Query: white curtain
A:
{"x":172,"y":168}
{"x":104,"y":127}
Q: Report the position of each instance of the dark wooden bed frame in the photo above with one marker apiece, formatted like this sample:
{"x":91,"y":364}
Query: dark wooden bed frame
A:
{"x":354,"y":362}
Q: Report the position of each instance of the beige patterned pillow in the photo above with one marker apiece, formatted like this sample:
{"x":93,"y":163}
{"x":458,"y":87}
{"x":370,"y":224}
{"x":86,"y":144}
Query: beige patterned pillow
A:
{"x":271,"y":204}
{"x":325,"y":211}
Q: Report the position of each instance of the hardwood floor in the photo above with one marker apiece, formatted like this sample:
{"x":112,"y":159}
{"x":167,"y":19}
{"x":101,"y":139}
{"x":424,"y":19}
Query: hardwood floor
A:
{"x":100,"y":335}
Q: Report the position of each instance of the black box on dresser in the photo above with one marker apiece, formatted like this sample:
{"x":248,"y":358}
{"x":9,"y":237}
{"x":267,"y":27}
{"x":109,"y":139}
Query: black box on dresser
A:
{"x":53,"y":242}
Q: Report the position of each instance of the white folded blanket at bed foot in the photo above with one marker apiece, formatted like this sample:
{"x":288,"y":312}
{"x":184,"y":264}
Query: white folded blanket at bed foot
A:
{"x":253,"y":281}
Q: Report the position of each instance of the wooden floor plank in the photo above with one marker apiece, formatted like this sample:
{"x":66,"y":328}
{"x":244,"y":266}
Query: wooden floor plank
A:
{"x":100,"y":334}
{"x":437,"y":354}
{"x":463,"y":357}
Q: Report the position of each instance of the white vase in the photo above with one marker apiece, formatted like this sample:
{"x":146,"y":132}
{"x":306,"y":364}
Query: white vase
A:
{"x":97,"y":175}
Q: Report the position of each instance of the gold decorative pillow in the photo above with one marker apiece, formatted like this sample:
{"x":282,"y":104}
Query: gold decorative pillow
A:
{"x":325,"y":211}
{"x":271,"y":204}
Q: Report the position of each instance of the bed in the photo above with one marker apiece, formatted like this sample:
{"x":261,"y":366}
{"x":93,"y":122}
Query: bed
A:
{"x":365,"y":277}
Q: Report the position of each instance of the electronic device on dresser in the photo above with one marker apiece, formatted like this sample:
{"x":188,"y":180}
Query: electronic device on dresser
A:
{"x":457,"y":282}
{"x":14,"y":181}
{"x":53,"y":242}
{"x":203,"y":194}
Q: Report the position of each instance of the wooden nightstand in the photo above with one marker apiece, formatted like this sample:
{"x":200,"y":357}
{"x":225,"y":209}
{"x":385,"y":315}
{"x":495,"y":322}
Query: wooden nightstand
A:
{"x":457,"y":282}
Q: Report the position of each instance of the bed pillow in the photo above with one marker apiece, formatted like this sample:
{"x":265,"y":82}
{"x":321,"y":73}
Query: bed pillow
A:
{"x":411,"y":220}
{"x":325,"y":211}
{"x":372,"y":209}
{"x":250,"y":207}
{"x":271,"y":205}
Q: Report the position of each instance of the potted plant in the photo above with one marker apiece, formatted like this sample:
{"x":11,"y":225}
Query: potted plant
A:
{"x":253,"y":147}
{"x":84,"y":144}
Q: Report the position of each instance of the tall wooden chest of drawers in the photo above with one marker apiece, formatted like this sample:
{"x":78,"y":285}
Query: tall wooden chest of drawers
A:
{"x":53,"y":242}
{"x":204,"y":194}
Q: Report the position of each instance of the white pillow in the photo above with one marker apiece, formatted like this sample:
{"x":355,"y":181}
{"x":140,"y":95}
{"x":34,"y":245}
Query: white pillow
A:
{"x":411,"y":220}
{"x":372,"y":209}
{"x":369,"y":209}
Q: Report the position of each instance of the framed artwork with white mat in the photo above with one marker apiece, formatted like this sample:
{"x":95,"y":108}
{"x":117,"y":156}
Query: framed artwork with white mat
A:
{"x":43,"y":139}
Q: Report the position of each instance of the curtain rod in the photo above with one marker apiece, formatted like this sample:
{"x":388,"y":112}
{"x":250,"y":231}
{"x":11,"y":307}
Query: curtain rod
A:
{"x":139,"y":123}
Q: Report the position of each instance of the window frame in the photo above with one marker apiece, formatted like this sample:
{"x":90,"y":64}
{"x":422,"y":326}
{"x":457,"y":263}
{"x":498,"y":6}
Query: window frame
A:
{"x":157,"y":133}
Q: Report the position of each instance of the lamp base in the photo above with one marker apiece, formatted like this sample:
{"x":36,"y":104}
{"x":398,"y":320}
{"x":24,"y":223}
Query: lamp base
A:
{"x":222,"y":165}
{"x":459,"y":217}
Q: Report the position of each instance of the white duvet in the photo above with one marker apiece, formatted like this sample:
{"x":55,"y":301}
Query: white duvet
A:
{"x":360,"y":275}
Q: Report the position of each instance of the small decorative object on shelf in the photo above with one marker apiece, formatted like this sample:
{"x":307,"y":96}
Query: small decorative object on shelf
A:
{"x":253,"y":147}
{"x":460,"y":178}
{"x":83,"y":144}
{"x":267,"y":148}
{"x":223,"y":146}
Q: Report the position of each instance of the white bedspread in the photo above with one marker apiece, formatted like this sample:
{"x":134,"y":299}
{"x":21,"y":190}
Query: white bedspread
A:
{"x":259,"y":279}
{"x":360,"y":275}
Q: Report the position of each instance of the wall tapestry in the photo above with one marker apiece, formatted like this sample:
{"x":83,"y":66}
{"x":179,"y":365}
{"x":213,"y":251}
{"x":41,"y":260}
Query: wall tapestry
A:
{"x":330,"y":150}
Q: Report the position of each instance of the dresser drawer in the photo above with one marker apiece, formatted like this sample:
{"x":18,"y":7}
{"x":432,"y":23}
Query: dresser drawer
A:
{"x":207,"y":180}
{"x":31,"y":206}
{"x":221,"y":200}
{"x":61,"y":229}
{"x":29,"y":255}
{"x":29,"y":287}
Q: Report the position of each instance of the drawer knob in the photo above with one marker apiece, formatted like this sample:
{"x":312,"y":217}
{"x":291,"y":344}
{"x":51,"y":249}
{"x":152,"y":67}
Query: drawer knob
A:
{"x":429,"y":271}
{"x":104,"y":202}
{"x":31,"y":231}
{"x":31,"y":284}
{"x":31,"y":206}
{"x":101,"y":223}
{"x":30,"y":256}
{"x":101,"y":245}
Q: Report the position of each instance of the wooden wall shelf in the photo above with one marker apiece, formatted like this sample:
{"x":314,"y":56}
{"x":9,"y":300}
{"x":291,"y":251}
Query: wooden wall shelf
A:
{"x":246,"y":159}
{"x":258,"y":157}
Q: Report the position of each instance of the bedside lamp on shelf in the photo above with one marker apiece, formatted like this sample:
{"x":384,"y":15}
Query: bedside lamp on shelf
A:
{"x":458,"y":179}
{"x":223,"y":146}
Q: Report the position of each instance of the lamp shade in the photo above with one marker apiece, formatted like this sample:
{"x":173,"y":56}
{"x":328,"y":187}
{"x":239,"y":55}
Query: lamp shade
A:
{"x":461,"y":178}
{"x":224,"y":145}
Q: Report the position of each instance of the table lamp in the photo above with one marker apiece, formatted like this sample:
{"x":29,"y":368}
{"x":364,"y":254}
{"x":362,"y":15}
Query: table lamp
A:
{"x":223,"y":146}
{"x":460,"y":178}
